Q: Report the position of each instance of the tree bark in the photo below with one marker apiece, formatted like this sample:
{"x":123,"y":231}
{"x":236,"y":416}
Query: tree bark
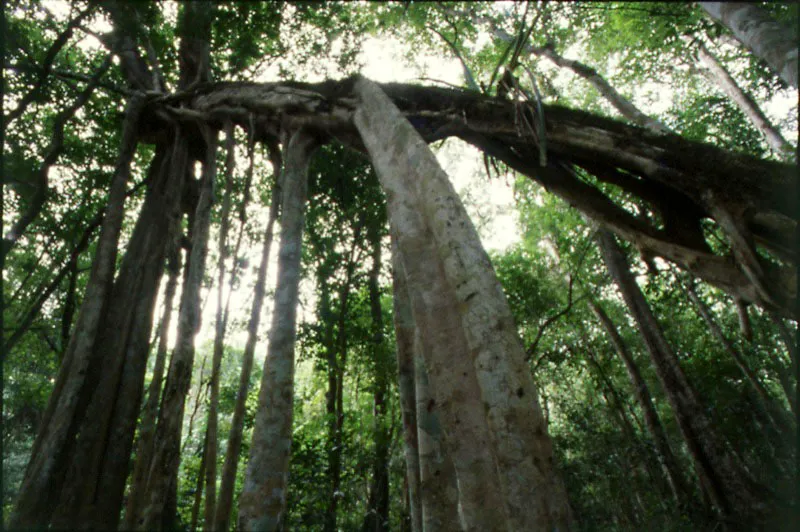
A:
{"x":722,"y":78}
{"x":404,"y":340}
{"x":144,"y":450}
{"x":756,"y":29}
{"x":229,"y":468}
{"x":54,"y":442}
{"x":734,"y":493}
{"x":532,"y":493}
{"x":166,"y":455}
{"x":263,"y":498}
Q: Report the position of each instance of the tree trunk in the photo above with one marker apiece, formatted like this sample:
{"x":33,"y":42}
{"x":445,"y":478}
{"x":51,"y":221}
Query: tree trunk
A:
{"x":377,"y":519}
{"x":532,"y":494}
{"x":166,"y":455}
{"x":778,"y":419}
{"x":641,"y":392}
{"x":404,"y":340}
{"x":77,"y":377}
{"x":219,"y":337}
{"x":733,"y":491}
{"x":722,"y":78}
{"x":229,"y":468}
{"x":144,"y":450}
{"x":756,"y":29}
{"x":263,"y":498}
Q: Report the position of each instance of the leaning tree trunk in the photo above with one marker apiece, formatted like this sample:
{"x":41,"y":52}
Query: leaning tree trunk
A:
{"x":231,"y":464}
{"x":404,"y":345}
{"x":51,"y":449}
{"x":263,"y":498}
{"x":756,"y":29}
{"x":734,"y":493}
{"x":641,"y":392}
{"x":745,"y":102}
{"x":166,"y":455}
{"x":532,"y":495}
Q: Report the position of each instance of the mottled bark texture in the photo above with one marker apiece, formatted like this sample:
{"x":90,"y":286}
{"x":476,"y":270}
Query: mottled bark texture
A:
{"x":733,"y":491}
{"x":404,"y":342}
{"x":77,"y":377}
{"x":756,"y":29}
{"x":263,"y":498}
{"x":531,"y":493}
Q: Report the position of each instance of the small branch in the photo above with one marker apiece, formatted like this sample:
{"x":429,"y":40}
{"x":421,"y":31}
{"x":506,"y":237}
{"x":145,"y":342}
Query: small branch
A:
{"x":549,"y":321}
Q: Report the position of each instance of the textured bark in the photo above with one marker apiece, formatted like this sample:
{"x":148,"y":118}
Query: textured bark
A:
{"x":229,"y":468}
{"x":144,"y":449}
{"x":641,"y":392}
{"x":51,"y":449}
{"x":532,"y":494}
{"x":219,"y":338}
{"x":166,"y":455}
{"x":404,"y":340}
{"x":744,"y":101}
{"x":263,"y":498}
{"x":733,"y":492}
{"x":756,"y":29}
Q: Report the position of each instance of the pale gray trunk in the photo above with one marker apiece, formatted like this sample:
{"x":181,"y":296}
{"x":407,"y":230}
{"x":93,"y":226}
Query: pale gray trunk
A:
{"x":532,"y":494}
{"x":263,"y":498}
{"x":722,"y":78}
{"x":404,"y":340}
{"x":166,"y":455}
{"x":44,"y":473}
{"x":229,"y":468}
{"x":756,"y":29}
{"x":733,"y":491}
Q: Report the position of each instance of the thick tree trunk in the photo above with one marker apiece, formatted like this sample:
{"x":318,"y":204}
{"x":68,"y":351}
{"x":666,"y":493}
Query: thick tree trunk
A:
{"x":144,"y":450}
{"x":641,"y":392}
{"x":404,"y":340}
{"x":532,"y":494}
{"x":229,"y":468}
{"x":377,"y":519}
{"x":77,"y":377}
{"x":734,"y":493}
{"x":263,"y":498}
{"x":722,"y":78}
{"x":166,"y":455}
{"x":756,"y":29}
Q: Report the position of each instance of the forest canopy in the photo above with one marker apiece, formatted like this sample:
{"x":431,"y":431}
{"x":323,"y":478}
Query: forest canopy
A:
{"x":241,"y":291}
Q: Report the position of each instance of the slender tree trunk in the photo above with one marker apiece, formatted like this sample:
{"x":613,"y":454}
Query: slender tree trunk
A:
{"x":722,"y":78}
{"x":333,"y":450}
{"x":219,"y":337}
{"x":147,"y":426}
{"x":263,"y":498}
{"x":377,"y":519}
{"x":778,"y":419}
{"x":532,"y":495}
{"x":642,"y":394}
{"x":733,"y":491}
{"x":198,"y":487}
{"x":166,"y":455}
{"x":756,"y":29}
{"x":76,"y":380}
{"x":229,"y":468}
{"x":404,"y":340}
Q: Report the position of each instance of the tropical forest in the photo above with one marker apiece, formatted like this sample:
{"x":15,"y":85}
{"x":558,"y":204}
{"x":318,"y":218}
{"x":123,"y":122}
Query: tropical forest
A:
{"x":399,"y":266}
